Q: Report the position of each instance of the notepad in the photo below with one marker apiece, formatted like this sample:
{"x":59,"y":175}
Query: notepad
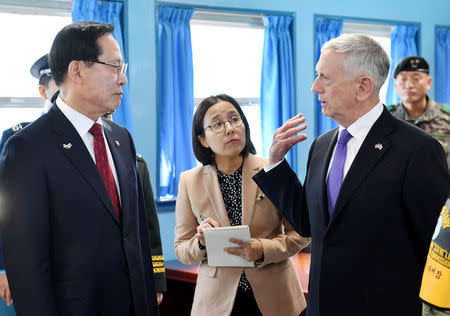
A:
{"x":216,"y":239}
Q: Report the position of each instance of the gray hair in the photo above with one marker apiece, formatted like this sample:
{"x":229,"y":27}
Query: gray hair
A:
{"x":361,"y":55}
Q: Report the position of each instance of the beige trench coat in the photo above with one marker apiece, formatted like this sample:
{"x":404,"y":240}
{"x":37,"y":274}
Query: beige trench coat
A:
{"x":275,"y":282}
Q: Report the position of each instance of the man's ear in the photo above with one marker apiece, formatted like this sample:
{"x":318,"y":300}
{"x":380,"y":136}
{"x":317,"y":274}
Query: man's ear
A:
{"x":42,"y":92}
{"x":365,"y":88}
{"x":429,"y":83}
{"x":202,"y":141}
{"x":75,"y":70}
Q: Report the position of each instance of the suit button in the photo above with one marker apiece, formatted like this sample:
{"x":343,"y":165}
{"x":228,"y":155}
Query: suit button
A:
{"x":126,"y":270}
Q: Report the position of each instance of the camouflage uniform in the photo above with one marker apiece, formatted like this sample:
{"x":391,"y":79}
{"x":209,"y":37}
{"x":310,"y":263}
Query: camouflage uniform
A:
{"x":435,"y":121}
{"x":427,"y":310}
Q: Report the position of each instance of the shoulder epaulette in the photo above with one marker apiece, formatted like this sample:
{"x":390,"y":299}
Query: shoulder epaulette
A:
{"x":391,"y":107}
{"x":445,"y":108}
{"x":17,"y":127}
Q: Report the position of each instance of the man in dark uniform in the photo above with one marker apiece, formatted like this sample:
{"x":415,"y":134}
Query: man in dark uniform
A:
{"x":412,"y":81}
{"x":47,"y":87}
{"x":153,"y":228}
{"x":153,"y":225}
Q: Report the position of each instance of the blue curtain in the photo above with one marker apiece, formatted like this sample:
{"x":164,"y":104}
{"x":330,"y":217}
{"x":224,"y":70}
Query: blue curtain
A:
{"x":107,"y":12}
{"x":326,"y":29}
{"x":442,"y":90}
{"x":403,"y":43}
{"x":175,"y":97}
{"x":277,"y":81}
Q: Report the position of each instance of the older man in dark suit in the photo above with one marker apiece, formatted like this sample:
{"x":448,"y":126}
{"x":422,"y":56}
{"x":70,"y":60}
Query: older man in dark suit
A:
{"x":74,"y":228}
{"x":372,"y":193}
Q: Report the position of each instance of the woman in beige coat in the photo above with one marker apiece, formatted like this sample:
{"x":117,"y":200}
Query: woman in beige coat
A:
{"x":223,"y":193}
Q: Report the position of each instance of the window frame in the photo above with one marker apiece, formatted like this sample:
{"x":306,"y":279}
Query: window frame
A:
{"x":31,"y":7}
{"x":359,"y":22}
{"x":41,"y":7}
{"x":209,"y":14}
{"x":355,"y":20}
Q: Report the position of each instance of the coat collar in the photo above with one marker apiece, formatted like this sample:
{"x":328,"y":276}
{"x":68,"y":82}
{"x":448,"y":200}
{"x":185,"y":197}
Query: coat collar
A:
{"x":249,"y":191}
{"x":326,"y":151}
{"x":249,"y":188}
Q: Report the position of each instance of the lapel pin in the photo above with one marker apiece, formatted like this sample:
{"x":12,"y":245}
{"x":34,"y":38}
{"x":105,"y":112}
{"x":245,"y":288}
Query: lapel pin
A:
{"x":117,"y":143}
{"x":379,"y":146}
{"x":67,"y":146}
{"x":260,"y":197}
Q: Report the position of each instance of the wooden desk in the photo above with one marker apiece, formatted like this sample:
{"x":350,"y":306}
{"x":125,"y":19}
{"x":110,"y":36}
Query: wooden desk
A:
{"x":181,"y":281}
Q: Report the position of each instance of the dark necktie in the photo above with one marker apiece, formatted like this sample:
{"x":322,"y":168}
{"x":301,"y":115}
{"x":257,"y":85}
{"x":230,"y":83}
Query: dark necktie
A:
{"x":101,"y":159}
{"x":337,"y":169}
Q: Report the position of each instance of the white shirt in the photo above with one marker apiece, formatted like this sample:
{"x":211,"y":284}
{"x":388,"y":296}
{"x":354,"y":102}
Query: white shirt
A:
{"x":82,"y":124}
{"x":359,"y":130}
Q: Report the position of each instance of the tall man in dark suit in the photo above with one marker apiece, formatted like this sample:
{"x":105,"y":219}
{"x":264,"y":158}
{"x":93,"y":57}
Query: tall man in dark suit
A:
{"x":74,"y":228}
{"x":372,"y":193}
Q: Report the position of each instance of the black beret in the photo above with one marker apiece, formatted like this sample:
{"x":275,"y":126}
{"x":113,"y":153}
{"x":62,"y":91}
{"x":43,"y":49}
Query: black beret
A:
{"x":41,"y":67}
{"x":412,"y":63}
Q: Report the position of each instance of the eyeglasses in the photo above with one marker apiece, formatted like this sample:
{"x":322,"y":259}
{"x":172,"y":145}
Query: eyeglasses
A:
{"x":121,"y":68}
{"x":219,"y":126}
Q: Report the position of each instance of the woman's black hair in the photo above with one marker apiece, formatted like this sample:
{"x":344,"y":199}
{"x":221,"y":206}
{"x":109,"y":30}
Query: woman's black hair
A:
{"x":206,"y":155}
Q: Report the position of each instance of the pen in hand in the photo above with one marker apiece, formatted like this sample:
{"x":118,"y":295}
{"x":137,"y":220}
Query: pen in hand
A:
{"x":203,"y":218}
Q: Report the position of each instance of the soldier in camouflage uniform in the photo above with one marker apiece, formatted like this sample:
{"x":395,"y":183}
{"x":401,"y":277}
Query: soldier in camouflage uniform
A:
{"x":412,"y":81}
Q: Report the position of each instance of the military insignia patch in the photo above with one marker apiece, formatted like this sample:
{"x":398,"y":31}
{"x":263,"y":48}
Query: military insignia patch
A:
{"x":17,"y":127}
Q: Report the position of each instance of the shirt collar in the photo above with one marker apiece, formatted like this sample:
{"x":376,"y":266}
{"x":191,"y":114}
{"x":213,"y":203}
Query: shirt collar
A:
{"x":361,"y":127}
{"x":81,"y":122}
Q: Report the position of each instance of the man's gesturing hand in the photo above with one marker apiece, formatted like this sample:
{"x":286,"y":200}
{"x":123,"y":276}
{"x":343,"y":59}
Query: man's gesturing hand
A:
{"x":285,"y":137}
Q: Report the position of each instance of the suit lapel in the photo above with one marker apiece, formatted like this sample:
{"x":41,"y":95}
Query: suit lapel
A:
{"x":69,"y":142}
{"x":324,"y":168}
{"x":123,"y":169}
{"x":249,"y":188}
{"x":211,"y":186}
{"x":323,"y":148}
{"x":372,"y":150}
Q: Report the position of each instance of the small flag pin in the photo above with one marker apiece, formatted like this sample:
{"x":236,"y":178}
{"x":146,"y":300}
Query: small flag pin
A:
{"x":379,"y":146}
{"x":67,"y":146}
{"x":117,"y":143}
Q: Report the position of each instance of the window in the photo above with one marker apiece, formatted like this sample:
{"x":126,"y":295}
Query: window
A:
{"x":227,"y":56}
{"x":381,"y":33}
{"x":31,"y":26}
